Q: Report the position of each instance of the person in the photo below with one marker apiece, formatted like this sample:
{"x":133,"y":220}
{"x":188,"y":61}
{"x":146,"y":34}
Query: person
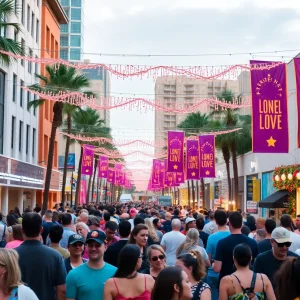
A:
{"x":47,"y":225}
{"x":11,"y":286}
{"x":42,"y":268}
{"x":193,"y":264}
{"x":4,"y":235}
{"x":157,"y":260}
{"x":297,"y":225}
{"x":223,"y":259}
{"x":189,"y":223}
{"x":111,"y":228}
{"x":203,"y":236}
{"x":132,"y":213}
{"x":76,"y":245}
{"x":84,"y":217}
{"x":139,"y":236}
{"x":106,"y":218}
{"x":287,"y":279}
{"x":210,"y":227}
{"x":212,"y":242}
{"x":112,"y":253}
{"x":55,"y":235}
{"x":270,"y":261}
{"x":153,"y":237}
{"x":157,"y":226}
{"x":265,"y":244}
{"x":94,"y":223}
{"x":17,"y":237}
{"x":167,"y":227}
{"x":172,"y":283}
{"x":127,"y":282}
{"x":86,"y":282}
{"x":191,"y":243}
{"x":250,"y":223}
{"x":171,"y":241}
{"x":66,"y":221}
{"x":244,"y":283}
{"x":82,"y":229}
{"x":286,"y":222}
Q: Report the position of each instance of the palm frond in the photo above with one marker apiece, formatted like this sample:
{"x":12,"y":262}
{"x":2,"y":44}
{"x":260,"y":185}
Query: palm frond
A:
{"x":7,"y":7}
{"x":12,"y":46}
{"x":35,"y":103}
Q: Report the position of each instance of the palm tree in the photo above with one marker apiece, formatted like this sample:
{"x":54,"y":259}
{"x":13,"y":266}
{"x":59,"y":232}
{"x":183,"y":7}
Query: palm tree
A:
{"x":7,"y":8}
{"x":58,"y":78}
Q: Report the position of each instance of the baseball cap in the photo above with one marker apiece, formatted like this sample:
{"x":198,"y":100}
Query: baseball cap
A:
{"x":97,"y":236}
{"x":189,"y":219}
{"x":281,"y":235}
{"x":133,"y":211}
{"x":74,"y":238}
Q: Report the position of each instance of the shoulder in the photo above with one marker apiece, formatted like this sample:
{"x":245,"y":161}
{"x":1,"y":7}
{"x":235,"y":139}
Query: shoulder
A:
{"x":25,"y":291}
{"x":290,"y":253}
{"x":109,"y":267}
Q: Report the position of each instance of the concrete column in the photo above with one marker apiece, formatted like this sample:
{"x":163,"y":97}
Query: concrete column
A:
{"x":33,"y":199}
{"x":20,"y":202}
{"x":4,"y":201}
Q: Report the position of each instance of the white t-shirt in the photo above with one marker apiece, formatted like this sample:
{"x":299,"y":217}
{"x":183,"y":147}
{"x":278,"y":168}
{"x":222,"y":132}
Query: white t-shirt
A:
{"x":171,"y":242}
{"x":295,"y":242}
{"x":25,"y":293}
{"x":132,"y":224}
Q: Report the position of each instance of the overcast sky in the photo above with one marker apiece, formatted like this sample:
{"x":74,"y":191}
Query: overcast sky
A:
{"x":183,"y":27}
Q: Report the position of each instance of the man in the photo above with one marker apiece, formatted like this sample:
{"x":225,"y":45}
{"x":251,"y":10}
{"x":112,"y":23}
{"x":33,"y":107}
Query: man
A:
{"x":265,"y":245}
{"x":132,"y":213}
{"x":202,"y":235}
{"x":55,"y":235}
{"x":3,"y":232}
{"x":223,"y":258}
{"x":212,"y":242}
{"x":171,"y":241}
{"x":157,"y":225}
{"x":47,"y":225}
{"x":286,"y":222}
{"x":42,"y":268}
{"x":297,"y":224}
{"x":94,"y":223}
{"x":84,"y":217}
{"x":176,"y":214}
{"x":210,"y":227}
{"x":86,"y":282}
{"x":167,"y":223}
{"x":110,"y":232}
{"x":112,"y":253}
{"x":66,"y":221}
{"x":270,"y":261}
{"x":76,"y":247}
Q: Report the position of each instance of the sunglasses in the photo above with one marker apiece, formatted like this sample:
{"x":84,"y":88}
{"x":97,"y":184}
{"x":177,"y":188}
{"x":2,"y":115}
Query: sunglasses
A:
{"x":155,"y":258}
{"x":280,"y":245}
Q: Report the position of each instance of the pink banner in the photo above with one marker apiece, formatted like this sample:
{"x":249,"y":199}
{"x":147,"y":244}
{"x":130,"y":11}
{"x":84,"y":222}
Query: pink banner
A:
{"x":192,"y":160}
{"x":179,"y":178}
{"x":156,"y":169}
{"x":270,"y":133}
{"x":175,"y":151}
{"x":297,"y":73}
{"x":103,"y":167}
{"x":82,"y":191}
{"x":111,"y":176}
{"x":207,"y":156}
{"x":162,"y":175}
{"x":119,"y":173}
{"x":87,"y":160}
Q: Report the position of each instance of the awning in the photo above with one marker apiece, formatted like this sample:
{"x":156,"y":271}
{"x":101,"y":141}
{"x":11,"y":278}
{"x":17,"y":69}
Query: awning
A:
{"x":276,"y":200}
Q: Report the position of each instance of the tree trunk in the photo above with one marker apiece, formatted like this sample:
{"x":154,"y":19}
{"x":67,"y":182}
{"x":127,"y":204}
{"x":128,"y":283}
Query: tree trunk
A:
{"x":57,"y":120}
{"x":235,"y":173}
{"x":189,"y":193}
{"x":94,"y":176}
{"x":193,"y":194}
{"x":89,"y":189}
{"x":77,"y":195}
{"x":226,"y":155}
{"x":63,"y":196}
{"x":203,"y":192}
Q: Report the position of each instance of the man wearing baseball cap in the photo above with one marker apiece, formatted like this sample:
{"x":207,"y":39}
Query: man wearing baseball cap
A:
{"x":132,"y":212}
{"x":86,"y":282}
{"x":270,"y":261}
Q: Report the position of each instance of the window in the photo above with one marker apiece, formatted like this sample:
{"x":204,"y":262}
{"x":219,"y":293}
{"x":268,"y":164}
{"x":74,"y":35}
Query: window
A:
{"x":52,"y":46}
{"x":30,"y":62}
{"x":64,"y":54}
{"x":34,"y":108}
{"x":64,"y":28}
{"x":37,"y":31}
{"x":28,"y":99}
{"x":75,"y":40}
{"x":76,"y":3}
{"x":20,"y":135}
{"x":76,"y":14}
{"x":67,"y":11}
{"x":27,"y":138}
{"x":23,"y":12}
{"x":33,"y":141}
{"x":36,"y":68}
{"x":13,"y":128}
{"x":38,"y":3}
{"x":75,"y":54}
{"x":75,"y":27}
{"x":15,"y":78}
{"x":32,"y":24}
{"x":64,"y":40}
{"x":16,"y":6}
{"x":28,"y":18}
{"x":23,"y":47}
{"x":21,"y":93}
{"x":15,"y":35}
{"x":65,"y":2}
{"x":2,"y":93}
{"x":48,"y":39}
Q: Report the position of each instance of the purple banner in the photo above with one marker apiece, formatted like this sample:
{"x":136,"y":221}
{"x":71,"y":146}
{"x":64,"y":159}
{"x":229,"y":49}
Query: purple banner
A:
{"x":103,"y":167}
{"x":179,"y":178}
{"x":207,"y":156}
{"x":156,"y":169}
{"x":169,"y":176}
{"x":82,"y":199}
{"x":111,"y":176}
{"x":175,"y":151}
{"x":270,"y":132}
{"x":192,"y":160}
{"x":87,"y":160}
{"x":297,"y":73}
{"x":162,"y":175}
{"x":118,"y":174}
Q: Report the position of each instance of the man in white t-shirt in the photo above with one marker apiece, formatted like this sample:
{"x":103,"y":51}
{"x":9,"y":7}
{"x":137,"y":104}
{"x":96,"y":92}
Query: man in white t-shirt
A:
{"x":286,"y":222}
{"x":171,"y":241}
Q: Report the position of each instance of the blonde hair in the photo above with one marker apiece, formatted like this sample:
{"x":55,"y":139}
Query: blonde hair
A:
{"x":191,"y":240}
{"x":9,"y":259}
{"x":151,"y":230}
{"x":154,"y":247}
{"x":83,"y":225}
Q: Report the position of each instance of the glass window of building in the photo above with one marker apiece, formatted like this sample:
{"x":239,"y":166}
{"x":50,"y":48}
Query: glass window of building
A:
{"x":64,"y":54}
{"x":64,"y":40}
{"x":75,"y":54}
{"x":21,"y":92}
{"x":15,"y":79}
{"x":75,"y":40}
{"x":65,"y":2}
{"x":76,"y":3}
{"x":33,"y":141}
{"x":76,"y":14}
{"x":75,"y":27}
{"x":64,"y":28}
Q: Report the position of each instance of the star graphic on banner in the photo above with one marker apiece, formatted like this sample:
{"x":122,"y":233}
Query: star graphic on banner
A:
{"x":207,"y":173}
{"x":86,"y":171}
{"x":175,"y":167}
{"x":102,"y":174}
{"x":271,"y":142}
{"x":193,"y":174}
{"x":154,"y":180}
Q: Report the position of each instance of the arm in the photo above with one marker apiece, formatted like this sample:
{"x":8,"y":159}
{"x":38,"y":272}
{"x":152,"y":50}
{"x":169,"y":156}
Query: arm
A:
{"x":223,"y":291}
{"x":258,"y":265}
{"x":217,"y":266}
{"x":107,"y":295}
{"x":268,"y":288}
{"x":206,"y":295}
{"x":61,"y":292}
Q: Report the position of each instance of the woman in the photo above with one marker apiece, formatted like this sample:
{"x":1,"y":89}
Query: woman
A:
{"x":287,"y":280}
{"x":17,"y":237}
{"x":157,"y":259}
{"x":11,"y":286}
{"x":172,"y":283}
{"x":153,"y":237}
{"x":83,"y":229}
{"x":192,"y":243}
{"x":127,"y":282}
{"x":193,"y":265}
{"x":244,"y":282}
{"x":190,"y":222}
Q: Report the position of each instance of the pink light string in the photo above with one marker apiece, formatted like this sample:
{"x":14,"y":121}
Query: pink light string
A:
{"x":125,"y":71}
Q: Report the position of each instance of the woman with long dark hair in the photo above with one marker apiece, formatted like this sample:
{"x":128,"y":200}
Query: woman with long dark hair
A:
{"x":127,"y":282}
{"x":172,"y":283}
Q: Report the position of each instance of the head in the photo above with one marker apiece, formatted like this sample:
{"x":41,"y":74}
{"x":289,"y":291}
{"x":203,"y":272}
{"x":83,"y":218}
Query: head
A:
{"x":156,"y":256}
{"x":297,"y":222}
{"x":133,"y":212}
{"x":176,"y":224}
{"x":260,"y":223}
{"x":157,"y":223}
{"x":245,"y":230}
{"x":250,"y":223}
{"x":48,"y":216}
{"x":82,"y":229}
{"x":286,"y":221}
{"x":93,"y":223}
{"x":76,"y":245}
{"x":211,"y":216}
{"x":96,"y":245}
{"x":130,"y":260}
{"x":17,"y":232}
{"x":139,"y":235}
{"x":138,"y":220}
{"x":200,"y":223}
{"x":220,"y":217}
{"x":66,"y":219}
{"x":176,"y":212}
{"x":172,"y":283}
{"x":11,"y":220}
{"x":32,"y":225}
{"x":168,"y":216}
{"x":110,"y":230}
{"x":270,"y":225}
{"x":242,"y":256}
{"x":235,"y":221}
{"x":56,"y":233}
{"x":280,"y":241}
{"x":55,"y":217}
{"x":260,"y":234}
{"x":124,"y":229}
{"x":10,"y":274}
{"x":190,"y":223}
{"x":84,"y":217}
{"x":106,"y":216}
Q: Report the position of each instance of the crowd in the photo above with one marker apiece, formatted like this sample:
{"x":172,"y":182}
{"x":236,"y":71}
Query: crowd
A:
{"x":142,"y":251}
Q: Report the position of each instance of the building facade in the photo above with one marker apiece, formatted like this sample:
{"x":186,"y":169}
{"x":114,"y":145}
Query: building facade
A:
{"x":72,"y":34}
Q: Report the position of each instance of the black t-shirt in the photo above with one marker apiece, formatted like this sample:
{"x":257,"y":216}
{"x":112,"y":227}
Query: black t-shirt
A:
{"x":224,"y":251}
{"x":267,"y":264}
{"x":264,"y":245}
{"x":46,"y":230}
{"x":203,"y":236}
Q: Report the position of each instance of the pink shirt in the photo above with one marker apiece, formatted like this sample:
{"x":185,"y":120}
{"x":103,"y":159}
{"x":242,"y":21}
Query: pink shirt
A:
{"x":13,"y":244}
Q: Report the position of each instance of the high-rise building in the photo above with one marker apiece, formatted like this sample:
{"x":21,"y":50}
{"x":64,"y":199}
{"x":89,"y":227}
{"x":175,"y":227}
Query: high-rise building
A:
{"x":72,"y":34}
{"x":182,"y":90}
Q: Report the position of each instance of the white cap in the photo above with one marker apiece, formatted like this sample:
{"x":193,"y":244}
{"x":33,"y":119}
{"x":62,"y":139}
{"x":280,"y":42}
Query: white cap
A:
{"x":281,"y":235}
{"x":189,"y":219}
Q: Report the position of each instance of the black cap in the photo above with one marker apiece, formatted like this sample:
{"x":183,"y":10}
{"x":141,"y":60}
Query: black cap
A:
{"x":74,"y":238}
{"x":97,"y":236}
